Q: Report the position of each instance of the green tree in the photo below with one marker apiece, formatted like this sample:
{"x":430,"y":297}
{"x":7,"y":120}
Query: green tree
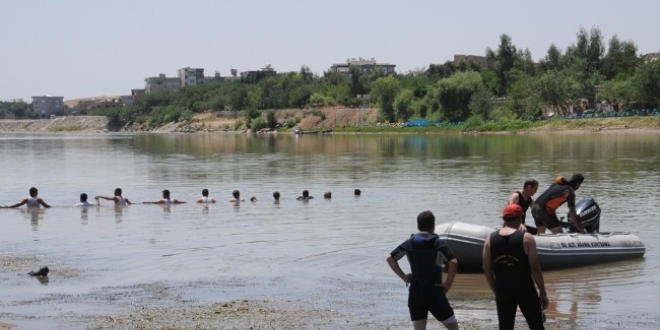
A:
{"x":454,"y":94}
{"x":647,"y":84}
{"x":403,"y":105}
{"x":481,"y":103}
{"x":383,"y":91}
{"x":621,"y":59}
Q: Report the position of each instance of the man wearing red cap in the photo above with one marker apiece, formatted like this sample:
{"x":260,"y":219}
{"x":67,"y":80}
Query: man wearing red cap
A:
{"x":511,"y":266}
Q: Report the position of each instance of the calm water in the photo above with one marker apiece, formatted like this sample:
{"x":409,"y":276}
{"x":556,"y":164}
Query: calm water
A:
{"x":329,"y":252}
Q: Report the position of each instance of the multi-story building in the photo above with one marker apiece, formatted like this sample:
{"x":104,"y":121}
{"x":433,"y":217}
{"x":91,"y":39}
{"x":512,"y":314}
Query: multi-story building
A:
{"x":191,"y":76}
{"x":255,"y":76}
{"x":364,"y":65}
{"x":161,"y":84}
{"x":458,"y":58}
{"x":46,"y":106}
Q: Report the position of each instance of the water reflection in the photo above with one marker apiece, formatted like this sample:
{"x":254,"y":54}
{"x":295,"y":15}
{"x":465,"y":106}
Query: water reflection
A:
{"x":35,"y":214}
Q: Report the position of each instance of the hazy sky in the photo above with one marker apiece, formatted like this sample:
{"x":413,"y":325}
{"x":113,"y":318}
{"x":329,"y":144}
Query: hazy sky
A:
{"x":84,"y":48}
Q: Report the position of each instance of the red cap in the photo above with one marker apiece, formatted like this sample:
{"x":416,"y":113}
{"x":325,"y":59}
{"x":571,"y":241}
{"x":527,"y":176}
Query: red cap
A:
{"x":512,"y":211}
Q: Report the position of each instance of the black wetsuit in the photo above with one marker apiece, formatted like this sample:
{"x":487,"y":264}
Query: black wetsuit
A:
{"x":514,"y":286}
{"x":425,"y":252}
{"x":525,"y":203}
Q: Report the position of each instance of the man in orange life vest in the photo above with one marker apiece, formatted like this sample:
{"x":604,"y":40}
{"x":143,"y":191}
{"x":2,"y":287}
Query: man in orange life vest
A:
{"x":560,"y":192}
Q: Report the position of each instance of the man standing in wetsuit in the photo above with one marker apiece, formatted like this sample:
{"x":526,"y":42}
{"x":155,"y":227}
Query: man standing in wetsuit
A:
{"x":560,"y":192}
{"x":524,"y":199}
{"x":511,"y":266}
{"x":425,"y":251}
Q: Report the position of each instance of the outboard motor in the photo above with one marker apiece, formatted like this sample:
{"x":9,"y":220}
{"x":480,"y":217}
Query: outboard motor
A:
{"x":588,"y":213}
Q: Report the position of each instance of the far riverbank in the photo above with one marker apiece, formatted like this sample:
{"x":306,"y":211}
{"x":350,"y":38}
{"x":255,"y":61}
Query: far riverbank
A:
{"x":338,"y":120}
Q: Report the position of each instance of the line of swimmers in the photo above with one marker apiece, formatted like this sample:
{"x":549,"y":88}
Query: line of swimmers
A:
{"x":35,"y":201}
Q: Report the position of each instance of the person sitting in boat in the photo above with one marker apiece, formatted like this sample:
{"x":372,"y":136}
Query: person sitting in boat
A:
{"x":205,"y":199}
{"x":34,"y":201}
{"x":523,"y":198}
{"x":305,"y":196}
{"x":545,"y":207}
{"x":167,"y":200}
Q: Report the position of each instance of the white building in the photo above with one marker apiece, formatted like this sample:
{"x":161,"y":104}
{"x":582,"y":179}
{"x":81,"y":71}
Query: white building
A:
{"x":364,"y":65}
{"x":45,"y":106}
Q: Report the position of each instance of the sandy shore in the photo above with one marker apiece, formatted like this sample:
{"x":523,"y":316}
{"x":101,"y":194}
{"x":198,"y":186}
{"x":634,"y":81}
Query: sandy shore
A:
{"x":308,"y":119}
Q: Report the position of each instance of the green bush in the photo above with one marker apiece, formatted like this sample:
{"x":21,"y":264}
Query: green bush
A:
{"x":291,"y":122}
{"x":318,"y":113}
{"x":258,"y":124}
{"x":474,"y":121}
{"x":271,"y":121}
{"x":238,"y":124}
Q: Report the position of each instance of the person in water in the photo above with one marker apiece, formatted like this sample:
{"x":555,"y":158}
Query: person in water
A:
{"x":237,"y":197}
{"x":357,"y":192}
{"x":305,"y":196}
{"x":33,"y":201}
{"x":545,"y":207}
{"x":524,"y":199}
{"x":427,"y":291}
{"x":327,"y":195}
{"x":276,"y":197}
{"x":511,"y":266}
{"x":117,"y":198}
{"x":167,"y":200}
{"x":83,"y":201}
{"x":205,"y":199}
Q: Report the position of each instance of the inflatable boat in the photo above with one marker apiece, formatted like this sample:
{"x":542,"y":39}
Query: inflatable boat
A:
{"x":565,"y":250}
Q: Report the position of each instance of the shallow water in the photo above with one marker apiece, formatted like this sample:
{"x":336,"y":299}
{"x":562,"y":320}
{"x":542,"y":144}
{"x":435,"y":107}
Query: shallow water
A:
{"x":331,"y":253}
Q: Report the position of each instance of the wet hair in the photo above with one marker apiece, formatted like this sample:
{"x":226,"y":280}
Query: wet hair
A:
{"x":305,"y":193}
{"x":357,"y":192}
{"x":166,"y":193}
{"x":236,"y":194}
{"x":34,"y":192}
{"x":253,"y":199}
{"x":327,"y":195}
{"x":205,"y":192}
{"x":276,"y":195}
{"x":117,"y":191}
{"x":530,"y":183}
{"x":576,"y":179}
{"x":83,"y":197}
{"x":426,"y":221}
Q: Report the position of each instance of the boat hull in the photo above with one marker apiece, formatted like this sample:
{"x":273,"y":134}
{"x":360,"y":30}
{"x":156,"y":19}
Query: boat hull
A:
{"x":555,"y":250}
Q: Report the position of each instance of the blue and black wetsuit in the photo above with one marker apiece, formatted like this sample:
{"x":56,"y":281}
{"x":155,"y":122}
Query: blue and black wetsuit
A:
{"x":425,"y":253}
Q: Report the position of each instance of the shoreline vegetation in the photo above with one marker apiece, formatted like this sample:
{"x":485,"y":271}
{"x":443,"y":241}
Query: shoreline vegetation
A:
{"x":331,"y":120}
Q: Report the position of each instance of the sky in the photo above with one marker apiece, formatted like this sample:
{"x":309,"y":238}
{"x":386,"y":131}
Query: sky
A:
{"x":87,"y":48}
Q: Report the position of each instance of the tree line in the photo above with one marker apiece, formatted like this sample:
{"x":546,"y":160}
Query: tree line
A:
{"x":507,"y":84}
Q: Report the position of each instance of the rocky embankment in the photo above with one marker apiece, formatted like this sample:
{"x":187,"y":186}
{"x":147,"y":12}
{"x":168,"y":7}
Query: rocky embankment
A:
{"x":54,"y":125}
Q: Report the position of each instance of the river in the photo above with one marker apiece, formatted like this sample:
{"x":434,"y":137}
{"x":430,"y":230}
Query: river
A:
{"x":328,"y":253}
